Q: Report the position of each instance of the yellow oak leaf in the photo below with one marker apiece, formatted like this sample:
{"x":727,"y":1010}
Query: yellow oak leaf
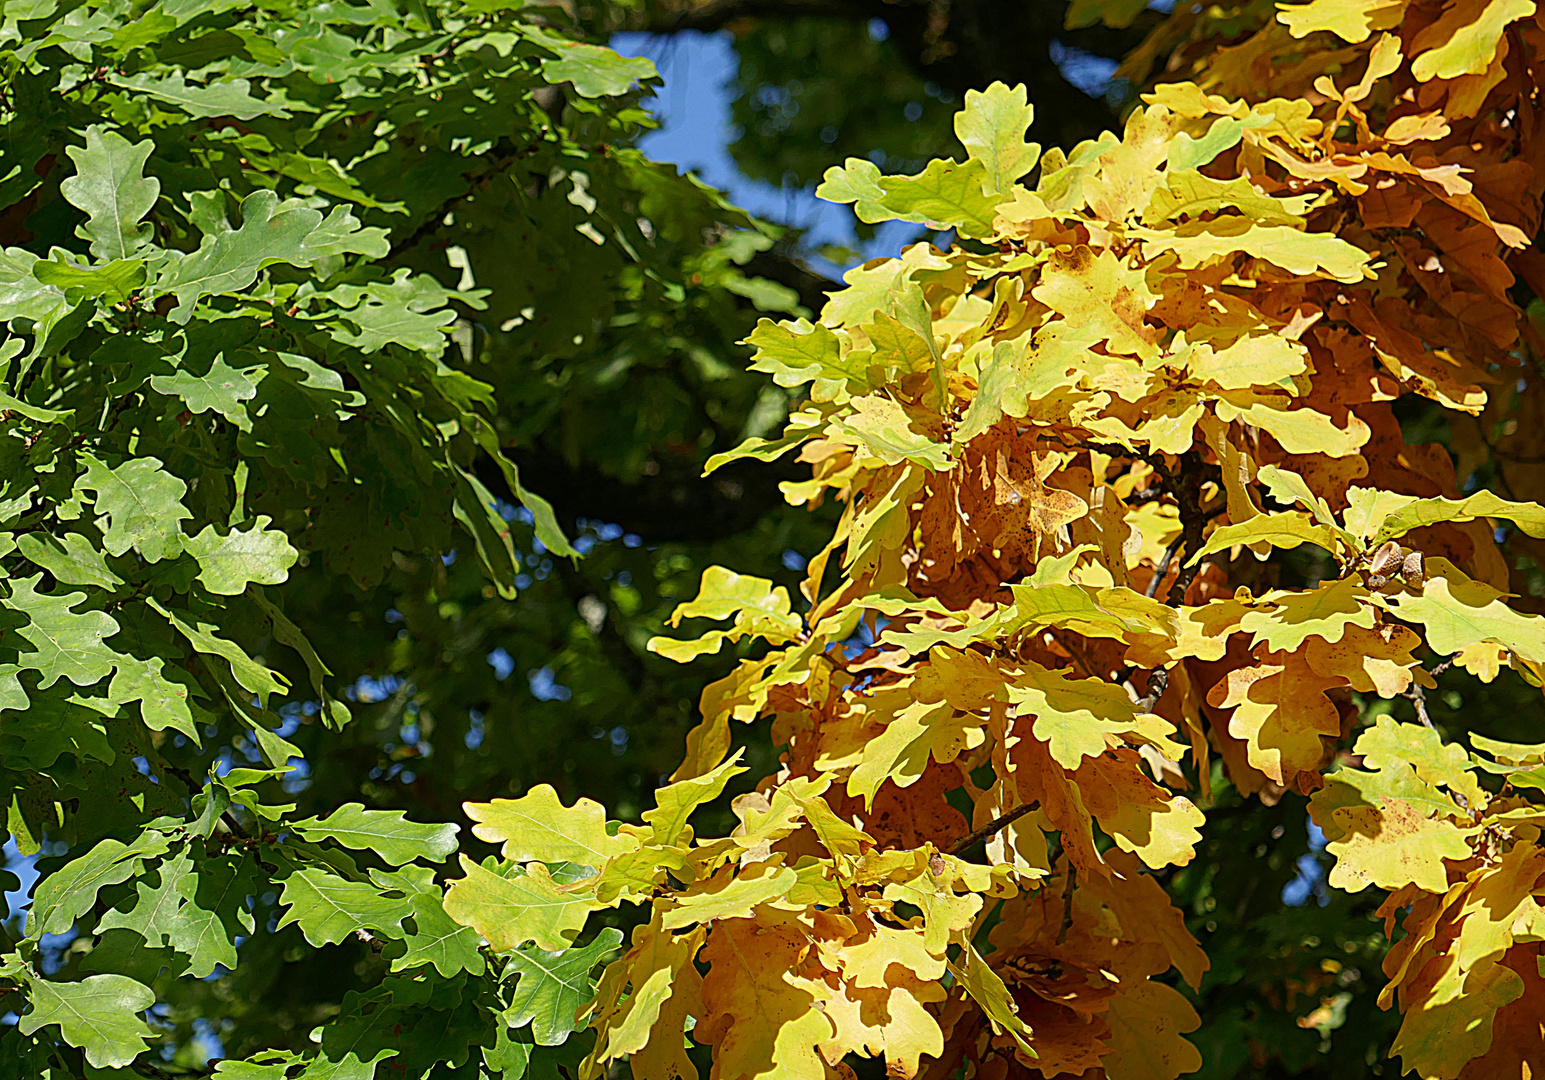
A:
{"x":1353,"y":20}
{"x":1368,"y":509}
{"x":765,"y":820}
{"x":1377,"y":660}
{"x":761,"y":1016}
{"x":538,"y":826}
{"x":1439,"y":1035}
{"x":1189,"y":193}
{"x":1414,"y":513}
{"x":1287,"y":529}
{"x":636,"y":874}
{"x":1072,"y":716}
{"x":1146,"y":1023}
{"x":1388,"y":743}
{"x":1323,"y":613}
{"x":1458,"y":611}
{"x":986,"y":988}
{"x":1129,"y":171}
{"x":889,"y":1020}
{"x":654,"y":967}
{"x":674,"y":803}
{"x":843,"y":840}
{"x":1160,"y":828}
{"x":1484,"y":659}
{"x":1298,"y":431}
{"x":664,"y":1055}
{"x":1201,"y":632}
{"x":1102,"y":294}
{"x":730,"y":896}
{"x":899,"y":751}
{"x":1258,"y":360}
{"x":867,"y":958}
{"x":1307,"y":254}
{"x":945,"y":912}
{"x":1465,"y":38}
{"x":523,"y":906}
{"x":1281,"y":713}
{"x":1499,"y":907}
{"x":992,"y":129}
{"x":1393,"y":845}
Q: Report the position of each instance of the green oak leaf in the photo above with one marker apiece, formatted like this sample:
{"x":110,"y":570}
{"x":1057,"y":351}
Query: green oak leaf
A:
{"x":221,"y":388}
{"x":225,"y":97}
{"x":439,"y":940}
{"x":53,"y":724}
{"x":140,"y":506}
{"x":947,"y":194}
{"x":271,"y":232}
{"x":156,"y":900}
{"x":444,"y":1032}
{"x":23,"y":296}
{"x":115,"y":281}
{"x":553,"y":985}
{"x":340,"y":234}
{"x":384,"y":832}
{"x":263,"y":1065}
{"x":67,"y":644}
{"x":227,"y":562}
{"x":161,"y":691}
{"x":110,"y":186}
{"x":213,"y":914}
{"x":365,"y":1034}
{"x":99,"y":1015}
{"x":73,"y":559}
{"x":68,"y":893}
{"x":856,"y":181}
{"x":252,"y":675}
{"x":329,"y":908}
{"x":594,"y":70}
{"x":384,"y":319}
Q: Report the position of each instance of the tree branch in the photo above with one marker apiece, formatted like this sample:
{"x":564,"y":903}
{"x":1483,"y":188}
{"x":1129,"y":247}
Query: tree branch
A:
{"x":992,"y":828}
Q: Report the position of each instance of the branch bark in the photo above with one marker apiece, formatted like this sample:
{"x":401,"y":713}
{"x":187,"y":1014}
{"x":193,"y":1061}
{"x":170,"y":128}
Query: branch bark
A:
{"x":992,"y":828}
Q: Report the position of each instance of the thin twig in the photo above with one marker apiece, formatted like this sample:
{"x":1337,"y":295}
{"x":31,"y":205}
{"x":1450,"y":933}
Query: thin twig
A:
{"x":992,"y":827}
{"x":1418,"y":697}
{"x":1158,"y":575}
{"x":1158,"y":682}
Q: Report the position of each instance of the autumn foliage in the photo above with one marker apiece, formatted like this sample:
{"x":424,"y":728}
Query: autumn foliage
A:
{"x":1070,"y":453}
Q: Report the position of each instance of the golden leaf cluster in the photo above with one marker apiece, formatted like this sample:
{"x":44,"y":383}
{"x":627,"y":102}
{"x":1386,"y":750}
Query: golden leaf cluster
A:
{"x":1066,"y":451}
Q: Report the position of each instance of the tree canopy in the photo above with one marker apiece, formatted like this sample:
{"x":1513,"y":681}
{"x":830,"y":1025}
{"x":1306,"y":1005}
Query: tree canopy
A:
{"x":360,"y":376}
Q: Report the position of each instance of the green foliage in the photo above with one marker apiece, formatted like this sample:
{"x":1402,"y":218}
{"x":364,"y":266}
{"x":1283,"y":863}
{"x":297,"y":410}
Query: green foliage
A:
{"x":287,"y":292}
